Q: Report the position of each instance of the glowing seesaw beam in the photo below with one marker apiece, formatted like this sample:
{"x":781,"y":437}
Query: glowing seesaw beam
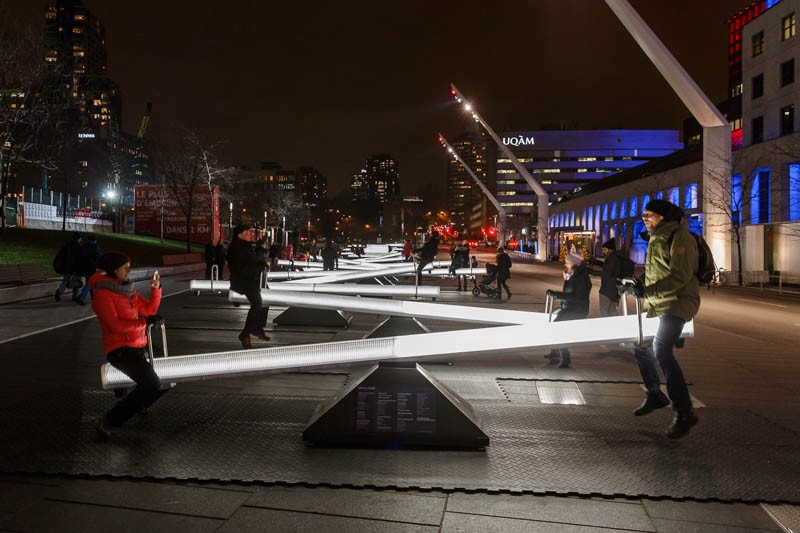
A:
{"x":446,"y":272}
{"x":319,"y":265}
{"x":620,"y":329}
{"x":338,"y":276}
{"x":343,"y":289}
{"x":400,"y":308}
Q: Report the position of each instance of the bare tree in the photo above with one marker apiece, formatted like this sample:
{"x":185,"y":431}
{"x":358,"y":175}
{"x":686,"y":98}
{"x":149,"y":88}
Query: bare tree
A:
{"x":734,"y":193}
{"x":189,"y":168}
{"x":26,"y":91}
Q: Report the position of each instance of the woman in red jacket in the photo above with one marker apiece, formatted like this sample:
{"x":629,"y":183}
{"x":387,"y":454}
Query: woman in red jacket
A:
{"x":124,"y":314}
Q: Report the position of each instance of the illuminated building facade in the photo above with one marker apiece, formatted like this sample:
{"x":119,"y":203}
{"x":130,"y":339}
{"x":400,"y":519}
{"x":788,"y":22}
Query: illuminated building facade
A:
{"x":466,"y":203}
{"x":75,"y":50}
{"x":313,"y":186}
{"x":564,"y":161}
{"x":378,"y":180}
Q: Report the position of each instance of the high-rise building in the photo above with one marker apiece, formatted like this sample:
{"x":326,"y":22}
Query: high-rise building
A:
{"x":464,"y":196}
{"x":378,"y":181}
{"x":313,"y":186}
{"x":75,"y":51}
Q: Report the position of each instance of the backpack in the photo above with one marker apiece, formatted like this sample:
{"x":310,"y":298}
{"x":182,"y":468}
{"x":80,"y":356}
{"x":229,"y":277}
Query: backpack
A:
{"x":626,"y":266}
{"x":706,"y":266}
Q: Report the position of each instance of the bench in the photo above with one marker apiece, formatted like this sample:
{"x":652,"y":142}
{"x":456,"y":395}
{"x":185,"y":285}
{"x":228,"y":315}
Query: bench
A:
{"x":181,"y":259}
{"x":21,"y":273}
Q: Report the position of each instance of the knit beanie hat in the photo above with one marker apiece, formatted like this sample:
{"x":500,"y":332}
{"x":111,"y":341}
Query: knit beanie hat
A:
{"x":611,"y":244}
{"x":111,"y":261}
{"x":576,"y":258}
{"x":666,"y":209}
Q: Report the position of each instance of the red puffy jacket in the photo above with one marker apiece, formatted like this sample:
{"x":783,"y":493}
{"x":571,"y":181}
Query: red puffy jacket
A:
{"x":121,"y":311}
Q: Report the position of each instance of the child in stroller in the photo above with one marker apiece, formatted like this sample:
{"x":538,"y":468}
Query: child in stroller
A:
{"x":488,"y":283}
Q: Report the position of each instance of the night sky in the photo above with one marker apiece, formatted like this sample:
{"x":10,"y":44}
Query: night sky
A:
{"x":327,"y":84}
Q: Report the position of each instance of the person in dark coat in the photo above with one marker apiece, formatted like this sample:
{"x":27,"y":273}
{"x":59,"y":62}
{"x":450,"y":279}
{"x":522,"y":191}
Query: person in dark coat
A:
{"x":574,"y":297}
{"x":90,"y":253}
{"x":612,"y":271}
{"x":460,"y":259}
{"x":245,"y":269}
{"x":274,"y":254}
{"x":210,"y":257}
{"x":427,"y":253}
{"x":330,"y":258}
{"x":503,"y":262}
{"x":69,"y":257}
{"x":219,"y":258}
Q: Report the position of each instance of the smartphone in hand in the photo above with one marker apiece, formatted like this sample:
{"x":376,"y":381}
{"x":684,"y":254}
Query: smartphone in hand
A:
{"x":156,"y":283}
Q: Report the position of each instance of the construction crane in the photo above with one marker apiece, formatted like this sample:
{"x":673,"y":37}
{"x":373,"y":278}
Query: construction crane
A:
{"x":145,"y":121}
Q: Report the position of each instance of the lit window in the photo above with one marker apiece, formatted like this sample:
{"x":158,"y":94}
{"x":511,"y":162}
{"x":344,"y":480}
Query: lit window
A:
{"x":794,"y":191}
{"x":736,"y":197}
{"x":787,"y":120}
{"x":787,"y":27}
{"x":758,"y":43}
{"x":759,"y":198}
{"x":77,"y":30}
{"x":587,"y":159}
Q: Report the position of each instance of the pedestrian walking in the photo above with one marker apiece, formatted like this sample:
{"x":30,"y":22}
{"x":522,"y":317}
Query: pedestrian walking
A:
{"x":671,"y":292}
{"x":219,"y":258}
{"x":87,"y":266}
{"x":503,"y":262}
{"x":67,"y":263}
{"x":245,"y":269}
{"x":210,"y":257}
{"x":460,"y":259}
{"x":330,"y":257}
{"x":407,"y":250}
{"x":610,"y":273}
{"x":274,"y":254}
{"x":262,"y":258}
{"x":427,"y":253}
{"x":124,"y":315}
{"x":574,"y":297}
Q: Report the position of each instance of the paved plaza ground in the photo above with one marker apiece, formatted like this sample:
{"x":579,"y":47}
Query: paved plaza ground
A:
{"x":227,"y":454}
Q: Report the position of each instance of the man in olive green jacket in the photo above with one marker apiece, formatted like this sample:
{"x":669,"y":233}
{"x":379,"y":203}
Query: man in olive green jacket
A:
{"x":671,"y":292}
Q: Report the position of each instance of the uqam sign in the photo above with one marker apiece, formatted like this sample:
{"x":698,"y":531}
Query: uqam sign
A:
{"x":519,"y":140}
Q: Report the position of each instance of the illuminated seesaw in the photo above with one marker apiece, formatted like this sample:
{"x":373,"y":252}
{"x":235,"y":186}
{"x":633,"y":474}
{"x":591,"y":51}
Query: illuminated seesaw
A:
{"x":458,"y":343}
{"x":348,"y":289}
{"x":396,"y":308}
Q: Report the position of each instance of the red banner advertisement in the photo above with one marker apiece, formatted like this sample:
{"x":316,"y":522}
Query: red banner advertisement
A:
{"x":156,"y":205}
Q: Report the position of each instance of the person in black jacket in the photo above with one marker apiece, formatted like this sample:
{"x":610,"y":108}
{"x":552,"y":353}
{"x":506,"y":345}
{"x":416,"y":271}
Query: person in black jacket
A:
{"x":68,"y":259}
{"x":612,"y":271}
{"x":330,"y":257}
{"x":503,"y":262}
{"x":219,"y":253}
{"x":210,"y":257}
{"x":87,"y":266}
{"x":245,"y":270}
{"x":574,"y":297}
{"x":427,"y":253}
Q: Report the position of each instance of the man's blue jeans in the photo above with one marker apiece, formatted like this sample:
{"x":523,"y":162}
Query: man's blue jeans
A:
{"x":669,"y":331}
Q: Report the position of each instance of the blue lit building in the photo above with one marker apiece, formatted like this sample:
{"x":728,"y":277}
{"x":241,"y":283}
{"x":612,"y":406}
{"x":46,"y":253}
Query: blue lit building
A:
{"x":562,"y":161}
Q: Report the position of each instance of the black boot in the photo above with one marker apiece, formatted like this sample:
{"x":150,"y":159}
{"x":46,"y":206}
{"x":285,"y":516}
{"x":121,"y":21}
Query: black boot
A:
{"x":654,"y":400}
{"x":681,"y":424}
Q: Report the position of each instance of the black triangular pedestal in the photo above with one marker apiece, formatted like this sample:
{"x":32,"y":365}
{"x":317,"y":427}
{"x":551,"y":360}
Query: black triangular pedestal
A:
{"x":389,"y":405}
{"x":396,"y":326}
{"x":304,"y":316}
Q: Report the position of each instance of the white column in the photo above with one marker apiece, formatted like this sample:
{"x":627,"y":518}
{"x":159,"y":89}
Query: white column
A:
{"x":716,"y":130}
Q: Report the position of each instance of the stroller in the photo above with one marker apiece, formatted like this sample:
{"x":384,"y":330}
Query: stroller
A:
{"x":488,"y":284}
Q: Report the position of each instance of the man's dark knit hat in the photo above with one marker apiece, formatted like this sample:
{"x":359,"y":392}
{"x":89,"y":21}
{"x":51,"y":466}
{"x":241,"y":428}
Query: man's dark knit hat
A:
{"x":111,"y":261}
{"x":666,"y":209}
{"x":611,"y":244}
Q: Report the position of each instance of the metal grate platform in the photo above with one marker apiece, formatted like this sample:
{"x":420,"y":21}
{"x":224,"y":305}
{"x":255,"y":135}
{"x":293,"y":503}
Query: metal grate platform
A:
{"x":534,"y":448}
